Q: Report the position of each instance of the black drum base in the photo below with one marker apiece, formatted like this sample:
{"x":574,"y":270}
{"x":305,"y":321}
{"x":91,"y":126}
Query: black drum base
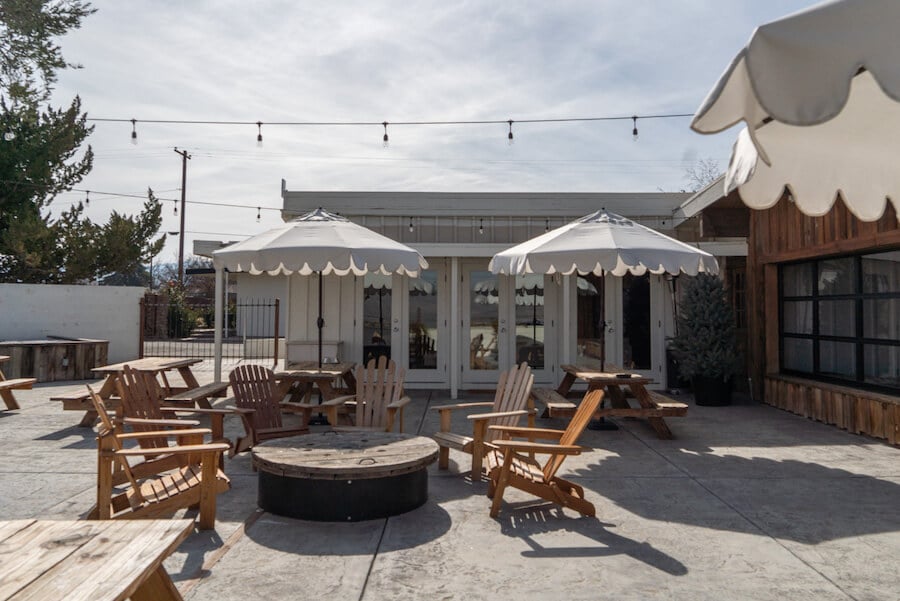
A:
{"x":342,"y":500}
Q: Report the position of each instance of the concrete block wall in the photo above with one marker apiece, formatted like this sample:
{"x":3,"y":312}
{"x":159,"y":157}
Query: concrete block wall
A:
{"x":35,"y":311}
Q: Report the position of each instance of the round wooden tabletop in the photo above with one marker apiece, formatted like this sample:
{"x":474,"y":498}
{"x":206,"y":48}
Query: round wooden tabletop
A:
{"x":345,"y":455}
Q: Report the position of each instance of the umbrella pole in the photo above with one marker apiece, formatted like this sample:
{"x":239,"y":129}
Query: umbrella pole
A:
{"x":320,"y":323}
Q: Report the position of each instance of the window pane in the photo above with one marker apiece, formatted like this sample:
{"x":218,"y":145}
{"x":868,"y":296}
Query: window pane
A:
{"x":881,"y":272}
{"x":484,"y":299}
{"x":837,"y":276}
{"x":837,"y":359}
{"x":798,"y":354}
{"x":881,"y":318}
{"x":423,"y":325}
{"x":376,"y":316}
{"x":636,"y":335}
{"x":797,"y":280}
{"x":591,"y":320}
{"x":882,"y":365}
{"x":798,"y":317}
{"x":837,"y":318}
{"x":530,"y":320}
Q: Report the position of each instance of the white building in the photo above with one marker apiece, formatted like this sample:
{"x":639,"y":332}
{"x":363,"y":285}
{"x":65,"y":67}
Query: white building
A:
{"x":458,"y":324}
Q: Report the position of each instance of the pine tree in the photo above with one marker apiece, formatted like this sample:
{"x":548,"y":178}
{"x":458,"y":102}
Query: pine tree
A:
{"x":705,"y":342}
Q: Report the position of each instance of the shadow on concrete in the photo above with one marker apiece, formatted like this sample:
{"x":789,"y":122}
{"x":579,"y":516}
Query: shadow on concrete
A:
{"x":87,"y":435}
{"x":787,"y":499}
{"x":526,"y":521}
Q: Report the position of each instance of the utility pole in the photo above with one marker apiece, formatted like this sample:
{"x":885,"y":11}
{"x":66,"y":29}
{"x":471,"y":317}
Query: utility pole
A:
{"x":185,"y":157}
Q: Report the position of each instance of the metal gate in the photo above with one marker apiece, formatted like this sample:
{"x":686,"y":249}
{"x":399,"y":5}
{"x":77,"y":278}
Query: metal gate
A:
{"x":173,"y":328}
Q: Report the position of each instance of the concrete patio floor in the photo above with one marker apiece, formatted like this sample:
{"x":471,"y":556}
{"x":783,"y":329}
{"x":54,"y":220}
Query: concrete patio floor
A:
{"x":748,"y":502}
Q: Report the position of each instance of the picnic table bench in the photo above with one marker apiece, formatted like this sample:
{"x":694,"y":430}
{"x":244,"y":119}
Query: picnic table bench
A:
{"x":7,"y":386}
{"x":620,"y":387}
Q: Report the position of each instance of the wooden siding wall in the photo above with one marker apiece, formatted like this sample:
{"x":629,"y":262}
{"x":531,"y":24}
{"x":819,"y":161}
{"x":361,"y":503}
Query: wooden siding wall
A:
{"x":782,"y":233}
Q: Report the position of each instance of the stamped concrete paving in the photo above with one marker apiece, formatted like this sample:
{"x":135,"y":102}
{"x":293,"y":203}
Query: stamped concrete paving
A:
{"x":748,"y":502}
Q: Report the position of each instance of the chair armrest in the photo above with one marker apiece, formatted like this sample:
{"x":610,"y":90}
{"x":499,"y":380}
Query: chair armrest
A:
{"x":162,"y":433}
{"x":461,"y":406}
{"x":537,"y":447}
{"x":529,"y":432}
{"x":218,"y":447}
{"x":399,"y":403}
{"x":297,"y":407}
{"x":202,"y":411}
{"x":481,"y":416}
{"x":338,"y":401}
{"x":175,"y":423}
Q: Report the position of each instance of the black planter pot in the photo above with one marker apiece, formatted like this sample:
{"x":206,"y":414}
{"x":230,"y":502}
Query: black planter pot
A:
{"x":711,"y":392}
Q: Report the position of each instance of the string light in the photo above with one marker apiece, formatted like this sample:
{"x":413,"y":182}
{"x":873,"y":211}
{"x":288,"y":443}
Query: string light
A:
{"x":259,"y":134}
{"x":411,"y":228}
{"x":258,"y":214}
{"x":509,"y":122}
{"x":547,"y":225}
{"x":510,"y":136}
{"x":87,"y":198}
{"x":481,"y":226}
{"x":634,"y":132}
{"x":174,"y":206}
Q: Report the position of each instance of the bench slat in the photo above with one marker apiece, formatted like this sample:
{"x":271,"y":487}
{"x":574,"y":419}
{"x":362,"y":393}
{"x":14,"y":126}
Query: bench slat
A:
{"x":199,"y":393}
{"x":17,"y":384}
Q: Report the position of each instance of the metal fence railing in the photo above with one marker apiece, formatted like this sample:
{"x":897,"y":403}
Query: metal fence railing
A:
{"x":171,"y":328}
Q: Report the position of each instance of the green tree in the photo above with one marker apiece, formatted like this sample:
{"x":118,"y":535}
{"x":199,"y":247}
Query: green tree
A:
{"x":40,"y":157}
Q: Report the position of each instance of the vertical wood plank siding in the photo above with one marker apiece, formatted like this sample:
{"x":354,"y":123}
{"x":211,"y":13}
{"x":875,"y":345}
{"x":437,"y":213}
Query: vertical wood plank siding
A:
{"x":782,"y":233}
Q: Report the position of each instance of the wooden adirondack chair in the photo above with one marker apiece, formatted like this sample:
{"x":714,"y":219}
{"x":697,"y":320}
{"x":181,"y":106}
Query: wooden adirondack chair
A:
{"x":155,"y":490}
{"x":254,"y":388}
{"x":509,"y":405}
{"x":509,"y":467}
{"x":379,"y":398}
{"x":143,"y":410}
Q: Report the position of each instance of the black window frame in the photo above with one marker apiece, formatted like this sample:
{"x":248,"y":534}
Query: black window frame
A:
{"x":859,"y":297}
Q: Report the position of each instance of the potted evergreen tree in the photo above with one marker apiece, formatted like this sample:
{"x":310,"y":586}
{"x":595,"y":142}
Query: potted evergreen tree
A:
{"x":704,"y":345}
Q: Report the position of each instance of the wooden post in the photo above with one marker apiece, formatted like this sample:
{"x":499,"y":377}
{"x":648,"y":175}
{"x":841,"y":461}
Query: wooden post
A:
{"x":143,"y":314}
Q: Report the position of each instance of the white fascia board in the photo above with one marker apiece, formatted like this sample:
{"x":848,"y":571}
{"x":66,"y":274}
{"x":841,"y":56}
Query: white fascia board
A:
{"x":724,"y":248}
{"x":699,"y":201}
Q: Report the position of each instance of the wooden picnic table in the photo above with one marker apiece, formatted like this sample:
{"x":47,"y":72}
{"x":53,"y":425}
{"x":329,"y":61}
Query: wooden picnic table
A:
{"x":300,"y":378}
{"x":159,"y":366}
{"x":7,"y":386}
{"x":652,"y":406}
{"x":89,"y":560}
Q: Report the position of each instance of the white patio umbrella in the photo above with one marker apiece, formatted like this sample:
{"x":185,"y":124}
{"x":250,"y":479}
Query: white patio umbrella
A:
{"x":819,"y":93}
{"x":318,"y":242}
{"x":601,"y":243}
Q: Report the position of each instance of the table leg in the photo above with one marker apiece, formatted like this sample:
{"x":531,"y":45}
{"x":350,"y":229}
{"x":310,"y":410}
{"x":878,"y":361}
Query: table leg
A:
{"x":657,"y":423}
{"x":326,"y":392}
{"x":566,"y":384}
{"x":158,"y":586}
{"x":188,"y":376}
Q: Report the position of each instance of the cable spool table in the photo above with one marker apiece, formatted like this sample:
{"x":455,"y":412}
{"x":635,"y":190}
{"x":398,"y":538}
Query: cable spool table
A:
{"x":344,"y":476}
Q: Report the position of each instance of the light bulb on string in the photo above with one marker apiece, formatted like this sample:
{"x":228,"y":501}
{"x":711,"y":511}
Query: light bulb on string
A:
{"x":547,"y":225}
{"x":134,"y":131}
{"x":634,"y":131}
{"x":174,"y":207}
{"x":481,"y":226}
{"x":87,"y":198}
{"x":258,"y":214}
{"x":509,"y":136}
{"x":259,"y":133}
{"x":385,"y":138}
{"x":411,"y":228}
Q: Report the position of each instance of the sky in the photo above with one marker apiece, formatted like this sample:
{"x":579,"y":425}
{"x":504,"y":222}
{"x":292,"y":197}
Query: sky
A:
{"x":374,"y":61}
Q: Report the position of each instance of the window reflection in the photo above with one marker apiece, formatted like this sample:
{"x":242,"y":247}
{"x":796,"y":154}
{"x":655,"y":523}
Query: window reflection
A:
{"x":484,"y":298}
{"x":376,"y":316}
{"x":530,"y":320}
{"x":423,"y":324}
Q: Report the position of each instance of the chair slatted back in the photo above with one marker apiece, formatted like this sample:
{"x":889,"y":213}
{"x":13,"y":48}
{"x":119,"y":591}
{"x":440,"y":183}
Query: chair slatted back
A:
{"x":586,"y":409}
{"x":255,"y":388}
{"x":513,"y":390}
{"x":141,"y":397}
{"x":377,"y":386}
{"x":107,"y":441}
